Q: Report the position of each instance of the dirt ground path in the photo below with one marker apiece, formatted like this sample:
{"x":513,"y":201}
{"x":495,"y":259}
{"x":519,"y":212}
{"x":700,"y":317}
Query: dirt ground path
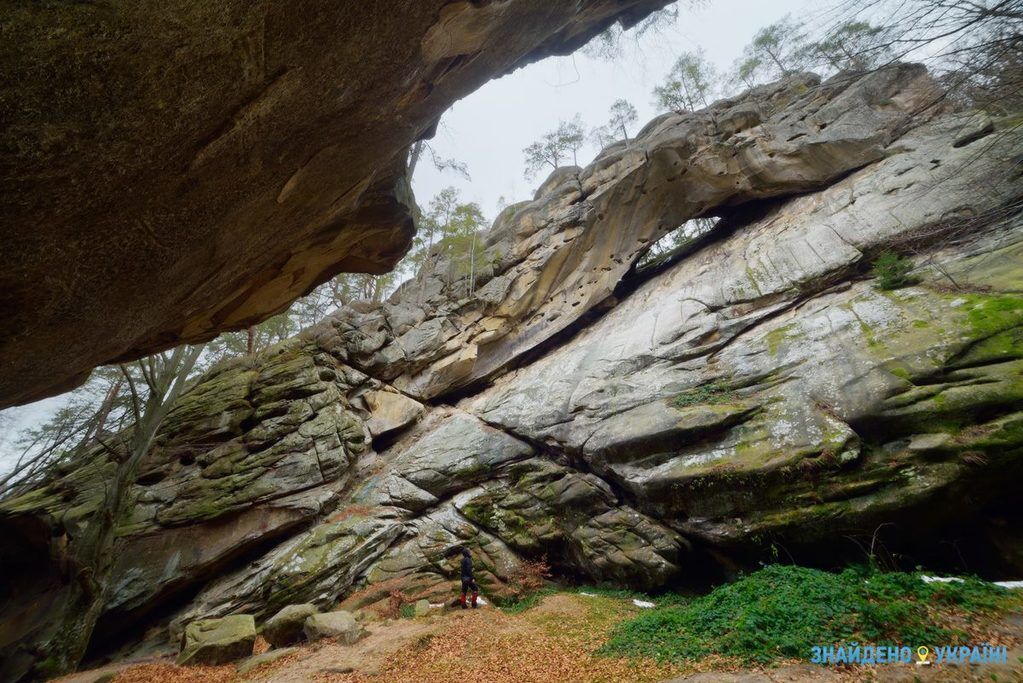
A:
{"x":554,"y":641}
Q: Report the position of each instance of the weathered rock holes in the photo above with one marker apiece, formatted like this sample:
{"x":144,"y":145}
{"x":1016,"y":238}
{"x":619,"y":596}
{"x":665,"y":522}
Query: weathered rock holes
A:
{"x":972,"y":137}
{"x":150,"y":478}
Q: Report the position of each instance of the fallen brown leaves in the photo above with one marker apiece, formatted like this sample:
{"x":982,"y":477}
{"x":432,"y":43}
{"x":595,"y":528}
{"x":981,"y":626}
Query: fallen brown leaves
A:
{"x":169,"y":673}
{"x":552,"y":643}
{"x":261,"y":646}
{"x":555,"y":641}
{"x":395,"y":599}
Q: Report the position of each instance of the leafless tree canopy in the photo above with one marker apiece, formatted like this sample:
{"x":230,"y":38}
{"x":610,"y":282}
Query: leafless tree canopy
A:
{"x":974,"y":46}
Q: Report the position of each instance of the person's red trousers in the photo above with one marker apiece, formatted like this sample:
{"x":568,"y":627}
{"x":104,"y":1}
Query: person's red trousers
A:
{"x":466,"y":585}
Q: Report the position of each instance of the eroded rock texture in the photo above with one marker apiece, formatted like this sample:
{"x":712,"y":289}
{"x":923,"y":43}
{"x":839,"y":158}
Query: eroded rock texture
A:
{"x":178,"y":169}
{"x":550,"y":261}
{"x":636,"y":427}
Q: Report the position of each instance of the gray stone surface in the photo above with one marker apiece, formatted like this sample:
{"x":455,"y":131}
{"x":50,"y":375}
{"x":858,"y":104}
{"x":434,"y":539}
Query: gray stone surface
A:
{"x":285,"y":627}
{"x":550,"y":261}
{"x":267,"y":657}
{"x":761,"y":355}
{"x":341,"y":626}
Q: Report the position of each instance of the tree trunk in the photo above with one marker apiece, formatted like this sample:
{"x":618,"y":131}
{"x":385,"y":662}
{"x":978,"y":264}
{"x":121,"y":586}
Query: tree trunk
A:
{"x":413,"y":158}
{"x":250,"y":340}
{"x":777,"y":62}
{"x":91,"y":557}
{"x":104,"y":410}
{"x":472,"y":264}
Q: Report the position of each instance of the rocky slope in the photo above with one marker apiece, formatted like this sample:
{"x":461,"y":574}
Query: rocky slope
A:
{"x":637,"y":426}
{"x":180,"y":169}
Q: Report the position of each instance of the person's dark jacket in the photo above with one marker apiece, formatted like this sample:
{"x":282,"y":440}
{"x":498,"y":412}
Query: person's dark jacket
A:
{"x":466,"y":568}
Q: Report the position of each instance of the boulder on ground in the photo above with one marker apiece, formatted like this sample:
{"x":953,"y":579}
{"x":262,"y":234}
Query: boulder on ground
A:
{"x":285,"y":627}
{"x":339,"y":625}
{"x":364,"y":615}
{"x":218,"y":641}
{"x":422,"y":607}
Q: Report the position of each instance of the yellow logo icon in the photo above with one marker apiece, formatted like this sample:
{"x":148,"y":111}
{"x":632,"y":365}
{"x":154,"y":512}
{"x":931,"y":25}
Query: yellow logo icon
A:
{"x":922,"y":653}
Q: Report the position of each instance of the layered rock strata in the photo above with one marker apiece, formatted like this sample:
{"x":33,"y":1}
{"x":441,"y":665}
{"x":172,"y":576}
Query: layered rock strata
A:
{"x":180,"y":169}
{"x":635,"y":426}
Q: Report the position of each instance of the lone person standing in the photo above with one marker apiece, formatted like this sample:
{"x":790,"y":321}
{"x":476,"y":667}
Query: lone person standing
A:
{"x":468,"y":581}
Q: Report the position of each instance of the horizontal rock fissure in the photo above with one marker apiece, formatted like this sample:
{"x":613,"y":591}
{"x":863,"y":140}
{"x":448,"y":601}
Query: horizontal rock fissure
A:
{"x":562,"y":457}
{"x":119,"y":630}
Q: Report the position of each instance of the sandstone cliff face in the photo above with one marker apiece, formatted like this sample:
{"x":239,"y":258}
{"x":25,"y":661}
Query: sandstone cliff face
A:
{"x":550,"y":261}
{"x":179,"y":169}
{"x":636,"y":428}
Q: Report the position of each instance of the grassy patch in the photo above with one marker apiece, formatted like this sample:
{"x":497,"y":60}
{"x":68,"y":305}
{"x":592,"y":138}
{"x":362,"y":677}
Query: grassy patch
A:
{"x":892,"y":271}
{"x":783,"y":611}
{"x":990,"y":315}
{"x":708,"y":394}
{"x":611,"y":592}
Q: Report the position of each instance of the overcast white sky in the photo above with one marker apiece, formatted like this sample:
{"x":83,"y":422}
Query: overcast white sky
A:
{"x":488,"y":129}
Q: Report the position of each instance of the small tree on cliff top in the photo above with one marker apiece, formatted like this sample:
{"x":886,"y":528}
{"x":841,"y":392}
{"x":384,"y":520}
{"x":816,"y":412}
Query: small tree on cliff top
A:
{"x":556,"y":147}
{"x":690,"y":85}
{"x":777,"y":48}
{"x":855,"y":45}
{"x":621,"y":115}
{"x":448,"y":232}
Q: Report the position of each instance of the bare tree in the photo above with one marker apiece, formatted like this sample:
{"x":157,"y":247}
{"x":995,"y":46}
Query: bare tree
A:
{"x":975,"y":46}
{"x":73,"y":427}
{"x":155,"y":383}
{"x":607,"y":45}
{"x":441,"y":164}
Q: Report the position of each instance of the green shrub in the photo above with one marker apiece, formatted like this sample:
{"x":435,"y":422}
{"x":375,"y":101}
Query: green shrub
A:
{"x":784,"y":611}
{"x":892,"y":271}
{"x":407,"y":611}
